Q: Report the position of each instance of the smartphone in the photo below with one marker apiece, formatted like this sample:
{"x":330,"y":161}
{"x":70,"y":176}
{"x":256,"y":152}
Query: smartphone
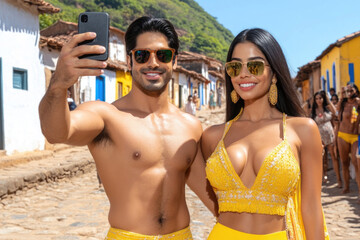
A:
{"x":97,"y":22}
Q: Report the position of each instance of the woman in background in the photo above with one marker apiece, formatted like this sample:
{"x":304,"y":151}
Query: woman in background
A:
{"x":322,"y":112}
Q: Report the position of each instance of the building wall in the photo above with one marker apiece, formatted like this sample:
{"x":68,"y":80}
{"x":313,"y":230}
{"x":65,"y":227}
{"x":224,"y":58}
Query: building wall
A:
{"x":49,"y":57}
{"x":88,"y":87}
{"x":327,"y":62}
{"x":305,"y":90}
{"x":19,"y":39}
{"x":123,"y":78}
{"x":316,"y":81}
{"x":116,"y":47}
{"x":185,"y":91}
{"x":350,"y":53}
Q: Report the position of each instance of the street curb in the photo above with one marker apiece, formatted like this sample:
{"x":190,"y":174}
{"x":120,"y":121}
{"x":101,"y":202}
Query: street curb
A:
{"x":20,"y":158}
{"x":26,"y":177}
{"x":8,"y":161}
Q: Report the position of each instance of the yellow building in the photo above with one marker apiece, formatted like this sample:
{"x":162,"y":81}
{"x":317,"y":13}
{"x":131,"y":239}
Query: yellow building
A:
{"x":123,"y":83}
{"x":340,"y":63}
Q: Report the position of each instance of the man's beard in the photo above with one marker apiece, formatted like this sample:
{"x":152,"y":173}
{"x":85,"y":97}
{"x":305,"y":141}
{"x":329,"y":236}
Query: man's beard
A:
{"x":148,"y":87}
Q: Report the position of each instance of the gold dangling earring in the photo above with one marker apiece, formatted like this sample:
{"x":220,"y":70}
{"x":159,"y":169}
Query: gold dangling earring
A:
{"x":273,"y":93}
{"x":234,"y":96}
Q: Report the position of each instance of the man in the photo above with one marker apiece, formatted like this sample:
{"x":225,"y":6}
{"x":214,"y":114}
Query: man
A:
{"x":145,"y":149}
{"x":219,"y":95}
{"x":332,"y":91}
{"x":70,"y":101}
{"x":348,"y":132}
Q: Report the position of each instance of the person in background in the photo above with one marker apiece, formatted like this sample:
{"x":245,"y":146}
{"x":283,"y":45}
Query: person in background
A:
{"x":219,"y":93}
{"x":349,"y":108}
{"x":264,"y":163}
{"x":190,"y":106}
{"x":307,"y":107}
{"x":196,"y":100}
{"x":332,"y":91}
{"x":322,"y":112}
{"x":212,"y":100}
{"x":70,"y":101}
{"x":335,"y":123}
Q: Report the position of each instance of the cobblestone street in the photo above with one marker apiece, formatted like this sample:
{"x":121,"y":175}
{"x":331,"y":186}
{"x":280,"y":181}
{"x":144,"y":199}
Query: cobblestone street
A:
{"x":76,"y":208}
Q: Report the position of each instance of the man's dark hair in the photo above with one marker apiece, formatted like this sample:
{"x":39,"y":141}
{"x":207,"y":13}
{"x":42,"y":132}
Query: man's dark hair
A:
{"x":288,"y":101}
{"x":150,"y":24}
{"x":335,"y":96}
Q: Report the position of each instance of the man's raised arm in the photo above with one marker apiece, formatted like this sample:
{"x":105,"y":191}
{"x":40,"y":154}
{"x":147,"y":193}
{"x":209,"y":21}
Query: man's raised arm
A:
{"x":57,"y":123}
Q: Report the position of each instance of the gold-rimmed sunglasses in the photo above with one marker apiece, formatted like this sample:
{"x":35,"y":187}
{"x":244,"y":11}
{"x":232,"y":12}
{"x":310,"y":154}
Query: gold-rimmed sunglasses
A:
{"x":254,"y":67}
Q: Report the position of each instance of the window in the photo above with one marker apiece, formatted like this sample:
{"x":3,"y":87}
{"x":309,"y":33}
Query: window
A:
{"x":20,"y":79}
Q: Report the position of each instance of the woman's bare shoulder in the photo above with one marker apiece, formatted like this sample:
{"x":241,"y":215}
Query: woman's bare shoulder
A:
{"x":305,"y":127}
{"x":210,"y":139}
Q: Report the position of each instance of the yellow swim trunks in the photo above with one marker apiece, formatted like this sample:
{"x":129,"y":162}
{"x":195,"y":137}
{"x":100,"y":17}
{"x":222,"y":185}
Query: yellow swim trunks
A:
{"x":118,"y":234}
{"x":221,"y":232}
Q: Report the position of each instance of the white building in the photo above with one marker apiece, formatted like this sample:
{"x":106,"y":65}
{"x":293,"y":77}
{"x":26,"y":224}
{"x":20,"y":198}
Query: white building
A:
{"x":22,"y":79}
{"x":203,"y":65}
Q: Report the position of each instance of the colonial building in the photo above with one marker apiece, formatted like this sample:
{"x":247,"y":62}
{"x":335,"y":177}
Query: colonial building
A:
{"x":308,"y":79}
{"x":210,"y":68}
{"x":22,"y":80}
{"x":182,"y":85}
{"x":340,"y":62}
{"x":113,"y":84}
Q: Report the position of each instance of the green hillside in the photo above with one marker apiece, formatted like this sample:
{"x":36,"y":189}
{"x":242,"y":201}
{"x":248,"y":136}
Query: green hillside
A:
{"x":199,"y":31}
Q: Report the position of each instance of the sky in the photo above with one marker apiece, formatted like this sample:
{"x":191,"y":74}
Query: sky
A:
{"x":303,"y":28}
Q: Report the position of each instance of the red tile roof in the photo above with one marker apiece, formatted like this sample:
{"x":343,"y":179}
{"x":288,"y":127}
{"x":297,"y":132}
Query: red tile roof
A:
{"x":186,"y":56}
{"x":193,"y":74}
{"x":304,"y":71}
{"x":42,"y":6}
{"x":63,"y":27}
{"x":338,"y":43}
{"x":217,"y":74}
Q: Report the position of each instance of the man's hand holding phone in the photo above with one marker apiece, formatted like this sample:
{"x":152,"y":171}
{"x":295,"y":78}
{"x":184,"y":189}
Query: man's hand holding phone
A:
{"x":70,"y":67}
{"x":85,"y":53}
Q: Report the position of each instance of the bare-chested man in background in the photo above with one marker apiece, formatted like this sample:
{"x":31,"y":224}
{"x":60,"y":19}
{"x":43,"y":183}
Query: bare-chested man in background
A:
{"x":349,"y":109}
{"x":145,"y":149}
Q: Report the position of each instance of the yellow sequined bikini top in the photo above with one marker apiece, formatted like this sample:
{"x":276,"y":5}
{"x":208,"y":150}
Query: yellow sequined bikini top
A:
{"x":275,"y":183}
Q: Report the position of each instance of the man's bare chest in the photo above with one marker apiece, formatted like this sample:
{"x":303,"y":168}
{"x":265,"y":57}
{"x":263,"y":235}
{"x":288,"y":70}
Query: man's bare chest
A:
{"x":144,"y":144}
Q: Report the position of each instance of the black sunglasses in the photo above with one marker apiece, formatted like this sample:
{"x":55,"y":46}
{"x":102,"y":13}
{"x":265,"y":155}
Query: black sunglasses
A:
{"x":164,"y":55}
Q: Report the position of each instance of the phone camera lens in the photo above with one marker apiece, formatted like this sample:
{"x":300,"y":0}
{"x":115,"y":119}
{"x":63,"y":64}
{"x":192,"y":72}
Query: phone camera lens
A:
{"x":84,"y":18}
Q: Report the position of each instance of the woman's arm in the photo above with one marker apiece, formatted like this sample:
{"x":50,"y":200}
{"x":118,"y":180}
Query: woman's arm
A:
{"x":311,"y":178}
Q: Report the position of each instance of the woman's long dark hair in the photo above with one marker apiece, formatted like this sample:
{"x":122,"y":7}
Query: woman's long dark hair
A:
{"x":288,"y":101}
{"x":315,"y":106}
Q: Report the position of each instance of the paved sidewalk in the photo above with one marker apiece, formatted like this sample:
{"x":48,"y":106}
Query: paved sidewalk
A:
{"x":25,"y":171}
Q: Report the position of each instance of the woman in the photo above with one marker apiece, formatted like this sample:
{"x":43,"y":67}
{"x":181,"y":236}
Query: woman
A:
{"x":266,"y":153}
{"x":212,"y":100}
{"x":190,"y":106}
{"x":322,"y":112}
{"x":349,"y":109}
{"x":335,"y":123}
